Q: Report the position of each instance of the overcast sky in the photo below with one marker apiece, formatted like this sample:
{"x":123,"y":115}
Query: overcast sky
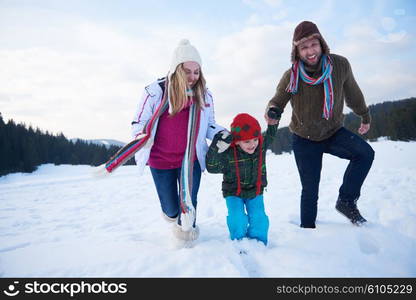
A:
{"x":80,"y":67}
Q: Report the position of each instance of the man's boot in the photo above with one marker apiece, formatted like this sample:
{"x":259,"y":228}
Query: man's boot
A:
{"x":350,"y":210}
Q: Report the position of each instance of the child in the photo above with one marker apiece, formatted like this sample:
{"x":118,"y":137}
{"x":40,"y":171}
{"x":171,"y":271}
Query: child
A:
{"x":244,"y":168}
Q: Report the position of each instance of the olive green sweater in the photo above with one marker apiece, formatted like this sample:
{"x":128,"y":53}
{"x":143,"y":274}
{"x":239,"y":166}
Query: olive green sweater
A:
{"x":307,"y":103}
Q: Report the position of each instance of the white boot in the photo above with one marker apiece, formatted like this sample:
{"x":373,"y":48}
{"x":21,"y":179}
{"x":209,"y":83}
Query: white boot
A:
{"x":169,"y":219}
{"x":190,"y":235}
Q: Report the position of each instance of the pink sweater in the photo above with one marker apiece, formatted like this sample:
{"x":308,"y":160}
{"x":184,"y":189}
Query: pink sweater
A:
{"x":170,"y":140}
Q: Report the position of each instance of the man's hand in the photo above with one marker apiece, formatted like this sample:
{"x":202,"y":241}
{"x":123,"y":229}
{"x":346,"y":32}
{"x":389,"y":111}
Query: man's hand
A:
{"x":224,"y":140}
{"x":272,"y":115}
{"x":364,"y":128}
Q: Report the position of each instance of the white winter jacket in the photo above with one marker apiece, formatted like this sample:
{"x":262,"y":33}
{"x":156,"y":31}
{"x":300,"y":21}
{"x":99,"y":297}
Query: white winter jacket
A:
{"x":149,"y":102}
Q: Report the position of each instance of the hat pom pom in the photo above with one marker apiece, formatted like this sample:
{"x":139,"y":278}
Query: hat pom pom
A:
{"x":184,"y":42}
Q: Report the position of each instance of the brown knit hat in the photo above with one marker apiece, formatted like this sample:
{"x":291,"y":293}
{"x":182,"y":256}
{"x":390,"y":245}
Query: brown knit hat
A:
{"x":304,"y":31}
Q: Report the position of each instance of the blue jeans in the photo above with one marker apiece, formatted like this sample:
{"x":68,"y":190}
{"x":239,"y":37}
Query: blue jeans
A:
{"x":167,"y":186}
{"x":308,"y":154}
{"x":254,"y":224}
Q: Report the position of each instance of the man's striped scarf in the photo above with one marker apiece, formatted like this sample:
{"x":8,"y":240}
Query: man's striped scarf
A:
{"x":128,"y":151}
{"x":298,"y":70}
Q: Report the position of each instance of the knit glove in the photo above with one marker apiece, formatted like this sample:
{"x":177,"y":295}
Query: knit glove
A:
{"x":274,"y":113}
{"x":224,"y":139}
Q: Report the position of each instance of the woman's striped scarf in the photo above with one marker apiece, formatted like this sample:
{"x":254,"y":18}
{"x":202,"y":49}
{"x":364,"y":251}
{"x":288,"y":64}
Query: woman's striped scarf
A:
{"x":298,"y":70}
{"x":128,"y":151}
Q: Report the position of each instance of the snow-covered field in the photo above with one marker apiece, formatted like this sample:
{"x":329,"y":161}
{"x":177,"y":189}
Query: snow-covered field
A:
{"x":61,"y":222}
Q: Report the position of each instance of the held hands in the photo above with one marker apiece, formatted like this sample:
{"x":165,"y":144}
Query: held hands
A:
{"x":272,"y":115}
{"x":224,"y":140}
{"x":364,"y":128}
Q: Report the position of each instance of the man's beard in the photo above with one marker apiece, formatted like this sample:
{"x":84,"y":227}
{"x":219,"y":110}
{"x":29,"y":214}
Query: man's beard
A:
{"x":314,"y":66}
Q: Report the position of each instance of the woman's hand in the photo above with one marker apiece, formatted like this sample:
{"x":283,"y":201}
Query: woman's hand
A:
{"x":224,"y":140}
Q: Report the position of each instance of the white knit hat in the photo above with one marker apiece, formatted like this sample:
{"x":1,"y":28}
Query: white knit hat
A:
{"x":183,"y":53}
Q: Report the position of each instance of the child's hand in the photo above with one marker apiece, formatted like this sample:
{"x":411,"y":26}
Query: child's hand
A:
{"x":224,"y":140}
{"x":364,"y":128}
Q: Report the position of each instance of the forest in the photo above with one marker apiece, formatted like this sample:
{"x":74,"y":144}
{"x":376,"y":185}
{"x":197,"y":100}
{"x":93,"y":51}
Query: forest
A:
{"x":395,"y":120}
{"x":23,"y":148}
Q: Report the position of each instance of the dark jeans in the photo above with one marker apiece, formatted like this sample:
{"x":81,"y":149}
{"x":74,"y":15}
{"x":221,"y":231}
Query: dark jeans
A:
{"x":167,"y":186}
{"x":308,"y":155}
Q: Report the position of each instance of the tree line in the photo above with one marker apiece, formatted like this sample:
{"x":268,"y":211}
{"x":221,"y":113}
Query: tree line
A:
{"x":23,"y":149}
{"x":395,"y":120}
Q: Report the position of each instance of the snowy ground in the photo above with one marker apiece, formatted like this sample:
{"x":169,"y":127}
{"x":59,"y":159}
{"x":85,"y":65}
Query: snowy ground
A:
{"x":61,"y":222}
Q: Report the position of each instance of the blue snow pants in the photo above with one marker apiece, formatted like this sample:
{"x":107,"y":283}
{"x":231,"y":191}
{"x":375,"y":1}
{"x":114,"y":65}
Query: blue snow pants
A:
{"x":253,"y":224}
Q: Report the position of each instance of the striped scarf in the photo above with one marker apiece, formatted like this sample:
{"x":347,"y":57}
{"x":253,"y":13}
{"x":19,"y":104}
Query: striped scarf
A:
{"x":298,"y":70}
{"x":128,"y":151}
{"x":185,"y":186}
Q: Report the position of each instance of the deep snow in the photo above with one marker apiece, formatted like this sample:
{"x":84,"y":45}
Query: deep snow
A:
{"x":61,"y":222}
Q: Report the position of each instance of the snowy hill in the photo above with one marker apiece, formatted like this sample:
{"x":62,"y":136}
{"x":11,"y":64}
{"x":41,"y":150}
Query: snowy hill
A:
{"x":61,"y":222}
{"x":105,"y":142}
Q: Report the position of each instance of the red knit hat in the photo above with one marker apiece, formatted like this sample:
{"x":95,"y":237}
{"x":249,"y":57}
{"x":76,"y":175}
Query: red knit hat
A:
{"x":245,"y":127}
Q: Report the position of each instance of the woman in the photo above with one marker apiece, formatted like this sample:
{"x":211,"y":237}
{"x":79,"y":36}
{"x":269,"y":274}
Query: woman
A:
{"x":178,"y":111}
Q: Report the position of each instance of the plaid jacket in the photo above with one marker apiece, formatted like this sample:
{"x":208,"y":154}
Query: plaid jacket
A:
{"x":247,"y":163}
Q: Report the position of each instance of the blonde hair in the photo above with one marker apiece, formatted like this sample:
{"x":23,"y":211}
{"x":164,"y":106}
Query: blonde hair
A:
{"x":178,"y":87}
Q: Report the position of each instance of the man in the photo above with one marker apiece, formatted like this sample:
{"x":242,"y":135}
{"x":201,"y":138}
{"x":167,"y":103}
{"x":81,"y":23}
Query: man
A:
{"x":317,"y":86}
